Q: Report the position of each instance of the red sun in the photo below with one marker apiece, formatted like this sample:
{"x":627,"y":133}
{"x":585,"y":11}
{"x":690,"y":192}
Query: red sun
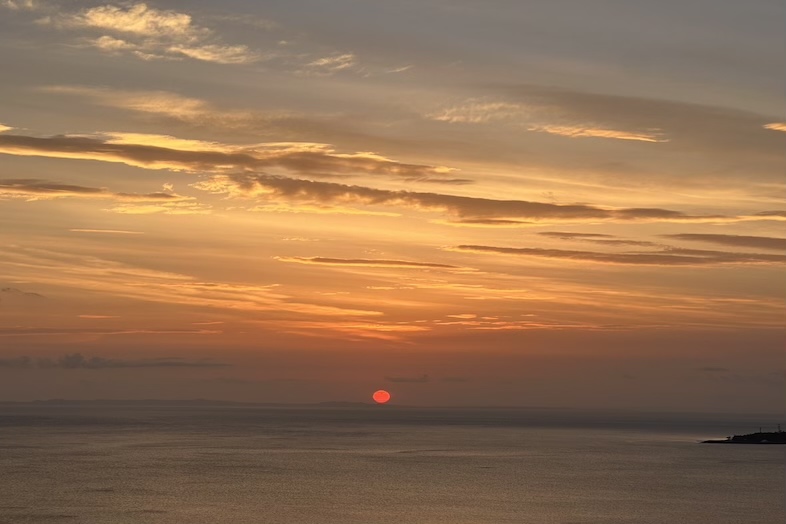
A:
{"x":381,"y":396}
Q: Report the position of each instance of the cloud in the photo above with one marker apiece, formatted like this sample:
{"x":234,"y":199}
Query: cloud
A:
{"x":775,"y":243}
{"x":165,"y":208}
{"x":34,"y":332}
{"x":486,"y":222}
{"x":317,"y":160}
{"x":532,"y":116}
{"x":107,"y":231}
{"x":773,"y":214}
{"x":20,"y":5}
{"x":578,"y":131}
{"x":4,"y":128}
{"x":90,"y":275}
{"x":317,"y":209}
{"x":666,"y":257}
{"x":479,"y":111}
{"x":687,"y":126}
{"x":17,"y":362}
{"x":30,"y":189}
{"x":15,"y":292}
{"x":163,"y":103}
{"x":35,"y":189}
{"x":422,"y":379}
{"x":597,"y":238}
{"x":78,"y":361}
{"x":669,"y":124}
{"x":138,"y":19}
{"x":150,"y":33}
{"x":365,"y":262}
{"x":564,"y":235}
{"x":318,"y":192}
{"x":347,"y":330}
{"x":330,"y":65}
{"x":621,"y":242}
{"x":237,"y":54}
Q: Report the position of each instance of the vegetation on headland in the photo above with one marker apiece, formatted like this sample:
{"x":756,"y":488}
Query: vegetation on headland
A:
{"x":760,"y":437}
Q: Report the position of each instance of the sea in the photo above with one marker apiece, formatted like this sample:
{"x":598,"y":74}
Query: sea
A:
{"x":195,"y":462}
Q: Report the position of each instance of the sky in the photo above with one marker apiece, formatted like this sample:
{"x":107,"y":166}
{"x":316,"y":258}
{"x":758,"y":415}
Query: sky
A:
{"x":466,"y":202}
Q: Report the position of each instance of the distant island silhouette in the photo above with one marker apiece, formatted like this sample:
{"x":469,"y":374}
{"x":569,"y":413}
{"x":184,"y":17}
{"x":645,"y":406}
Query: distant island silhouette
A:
{"x":760,"y":437}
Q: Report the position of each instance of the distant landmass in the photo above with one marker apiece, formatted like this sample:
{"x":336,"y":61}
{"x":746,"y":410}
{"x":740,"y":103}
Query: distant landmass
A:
{"x":761,"y":437}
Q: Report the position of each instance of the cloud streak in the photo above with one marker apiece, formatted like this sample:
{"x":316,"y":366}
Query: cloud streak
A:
{"x":597,"y":238}
{"x":667,"y":257}
{"x":565,"y":235}
{"x":128,"y":282}
{"x":150,"y":33}
{"x":422,"y":379}
{"x":316,"y":160}
{"x":464,"y":207}
{"x":16,"y":292}
{"x":36,"y":189}
{"x":667,"y":124}
{"x":34,"y":332}
{"x":365,"y":262}
{"x":778,"y":244}
{"x":578,"y":131}
{"x":78,"y":361}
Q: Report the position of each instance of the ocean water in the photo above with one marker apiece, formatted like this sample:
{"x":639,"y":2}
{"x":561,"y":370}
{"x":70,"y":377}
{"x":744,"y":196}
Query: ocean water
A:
{"x":189,"y":464}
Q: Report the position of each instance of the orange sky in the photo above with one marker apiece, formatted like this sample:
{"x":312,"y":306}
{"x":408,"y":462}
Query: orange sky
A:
{"x":466,"y":202}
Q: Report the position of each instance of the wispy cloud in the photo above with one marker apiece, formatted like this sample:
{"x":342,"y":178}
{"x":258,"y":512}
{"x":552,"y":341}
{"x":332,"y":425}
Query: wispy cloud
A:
{"x":479,"y":111}
{"x":162,"y":208}
{"x":107,"y":231}
{"x":90,"y":274}
{"x":330,"y":65}
{"x":162,"y":103}
{"x":150,"y":33}
{"x":20,"y":5}
{"x":35,"y":189}
{"x":168,"y":203}
{"x":666,"y":257}
{"x":78,"y":361}
{"x":686,"y":126}
{"x":16,"y":292}
{"x":567,"y":235}
{"x":316,"y":160}
{"x":421,"y":379}
{"x":44,"y":331}
{"x":579,"y":131}
{"x":317,"y":192}
{"x":387,"y":331}
{"x":672,"y":125}
{"x":778,"y":244}
{"x":597,"y":238}
{"x":534,"y":117}
{"x":365,"y":262}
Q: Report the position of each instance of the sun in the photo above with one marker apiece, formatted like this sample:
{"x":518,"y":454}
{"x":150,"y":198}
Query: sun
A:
{"x":381,"y":396}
